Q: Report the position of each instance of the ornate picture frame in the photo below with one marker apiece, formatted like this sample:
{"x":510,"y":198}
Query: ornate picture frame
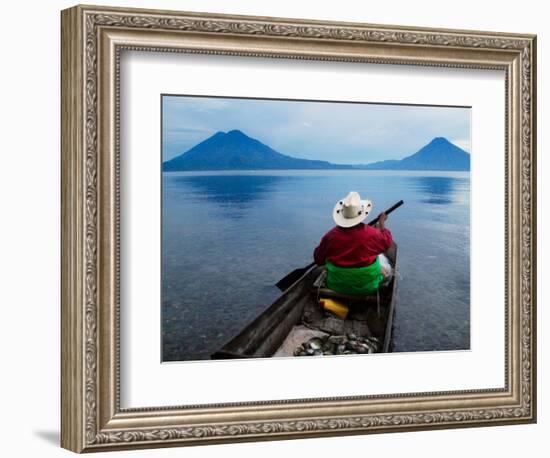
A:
{"x":92,"y":41}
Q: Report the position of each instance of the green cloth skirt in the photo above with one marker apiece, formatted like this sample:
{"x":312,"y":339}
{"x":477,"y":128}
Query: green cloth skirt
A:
{"x":355,"y":281}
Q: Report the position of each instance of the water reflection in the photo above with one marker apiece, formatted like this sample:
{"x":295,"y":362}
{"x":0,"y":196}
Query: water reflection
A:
{"x":435,"y":190}
{"x":227,"y":189}
{"x":234,"y":193}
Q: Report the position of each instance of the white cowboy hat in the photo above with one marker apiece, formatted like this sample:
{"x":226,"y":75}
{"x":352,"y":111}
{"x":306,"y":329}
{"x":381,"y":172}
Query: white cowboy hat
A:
{"x":351,"y":210}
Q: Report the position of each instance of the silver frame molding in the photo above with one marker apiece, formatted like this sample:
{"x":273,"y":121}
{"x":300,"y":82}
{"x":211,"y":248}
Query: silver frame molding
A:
{"x":92,"y":39}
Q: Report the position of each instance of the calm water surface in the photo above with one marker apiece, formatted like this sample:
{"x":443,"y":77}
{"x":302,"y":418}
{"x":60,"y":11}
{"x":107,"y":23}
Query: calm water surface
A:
{"x":228,"y":237}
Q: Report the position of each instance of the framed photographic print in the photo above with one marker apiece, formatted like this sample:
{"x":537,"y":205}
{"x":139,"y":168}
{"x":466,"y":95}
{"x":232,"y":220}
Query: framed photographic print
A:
{"x":277,"y":228}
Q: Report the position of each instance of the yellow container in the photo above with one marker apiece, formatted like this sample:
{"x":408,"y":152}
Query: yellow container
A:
{"x":339,"y":309}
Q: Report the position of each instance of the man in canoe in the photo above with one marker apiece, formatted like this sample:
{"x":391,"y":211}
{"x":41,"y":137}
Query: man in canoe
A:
{"x":353,"y":251}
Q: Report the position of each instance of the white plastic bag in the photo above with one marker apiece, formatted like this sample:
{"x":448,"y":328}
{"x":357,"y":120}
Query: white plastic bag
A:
{"x":385,"y":267}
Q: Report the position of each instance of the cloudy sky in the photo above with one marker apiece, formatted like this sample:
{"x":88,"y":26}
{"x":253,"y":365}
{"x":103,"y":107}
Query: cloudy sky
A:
{"x":342,"y":133}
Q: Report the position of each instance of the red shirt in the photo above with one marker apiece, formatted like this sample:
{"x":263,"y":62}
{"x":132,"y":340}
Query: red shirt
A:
{"x":357,"y":246}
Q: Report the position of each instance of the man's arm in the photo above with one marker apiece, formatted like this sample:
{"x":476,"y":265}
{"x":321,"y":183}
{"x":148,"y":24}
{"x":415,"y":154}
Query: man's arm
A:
{"x":386,"y":239}
{"x":382,"y":220}
{"x":320,"y":253}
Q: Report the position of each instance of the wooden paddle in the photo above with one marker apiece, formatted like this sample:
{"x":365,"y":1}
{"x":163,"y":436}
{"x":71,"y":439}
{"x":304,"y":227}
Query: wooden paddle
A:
{"x":296,"y":274}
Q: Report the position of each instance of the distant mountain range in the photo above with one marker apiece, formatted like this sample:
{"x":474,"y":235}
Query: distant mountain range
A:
{"x":439,"y":154}
{"x":235,"y":150}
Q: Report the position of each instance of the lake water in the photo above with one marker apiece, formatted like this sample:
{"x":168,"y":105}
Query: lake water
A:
{"x":228,"y":237}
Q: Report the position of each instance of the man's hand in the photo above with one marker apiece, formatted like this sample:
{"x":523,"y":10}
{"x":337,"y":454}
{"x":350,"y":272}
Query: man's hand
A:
{"x":382,"y":219}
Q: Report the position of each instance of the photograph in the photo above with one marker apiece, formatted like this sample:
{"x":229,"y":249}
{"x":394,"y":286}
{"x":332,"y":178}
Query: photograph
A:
{"x":297,"y":228}
{"x":275,"y":227}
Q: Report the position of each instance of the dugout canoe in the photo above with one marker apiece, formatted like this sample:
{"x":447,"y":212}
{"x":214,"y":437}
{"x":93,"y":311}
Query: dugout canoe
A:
{"x":298,"y":305}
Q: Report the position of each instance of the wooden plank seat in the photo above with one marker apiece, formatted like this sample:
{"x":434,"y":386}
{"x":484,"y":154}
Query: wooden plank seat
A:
{"x":319,"y":289}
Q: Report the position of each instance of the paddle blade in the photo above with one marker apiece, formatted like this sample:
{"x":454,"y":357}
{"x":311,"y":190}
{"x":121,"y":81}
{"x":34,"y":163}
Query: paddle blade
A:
{"x":285,"y":282}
